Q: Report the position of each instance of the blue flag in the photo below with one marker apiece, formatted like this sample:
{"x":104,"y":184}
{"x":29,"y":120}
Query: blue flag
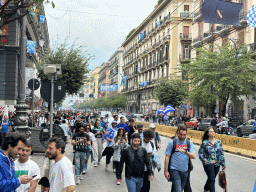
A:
{"x":31,"y":45}
{"x":221,"y":12}
{"x":42,"y":18}
{"x":32,"y":13}
{"x":251,"y":16}
{"x":141,"y":36}
{"x":158,"y":23}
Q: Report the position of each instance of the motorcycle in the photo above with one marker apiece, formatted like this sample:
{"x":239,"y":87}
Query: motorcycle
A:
{"x":224,"y":130}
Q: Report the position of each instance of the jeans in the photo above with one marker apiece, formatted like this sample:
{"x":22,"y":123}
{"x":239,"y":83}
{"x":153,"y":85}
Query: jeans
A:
{"x":211,"y":172}
{"x":116,"y":164}
{"x":88,"y":152}
{"x":80,"y":158}
{"x":187,"y":187}
{"x":179,"y":179}
{"x":134,"y":184}
{"x":146,"y":182}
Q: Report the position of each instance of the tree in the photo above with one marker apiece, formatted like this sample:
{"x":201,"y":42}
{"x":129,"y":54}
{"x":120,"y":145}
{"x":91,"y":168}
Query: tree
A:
{"x":11,"y":10}
{"x":74,"y":64}
{"x":117,"y":101}
{"x":217,"y":76}
{"x":130,"y":33}
{"x":172,"y":91}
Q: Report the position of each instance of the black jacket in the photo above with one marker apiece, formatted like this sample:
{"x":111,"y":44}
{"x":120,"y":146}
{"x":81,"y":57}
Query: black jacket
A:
{"x":127,"y":157}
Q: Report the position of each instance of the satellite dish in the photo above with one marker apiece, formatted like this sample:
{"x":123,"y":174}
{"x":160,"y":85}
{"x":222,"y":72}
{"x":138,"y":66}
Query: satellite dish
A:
{"x":44,"y":134}
{"x":35,"y":82}
{"x":59,"y":91}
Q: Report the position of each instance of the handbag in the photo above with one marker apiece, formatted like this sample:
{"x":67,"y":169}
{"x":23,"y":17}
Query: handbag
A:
{"x":222,"y":180}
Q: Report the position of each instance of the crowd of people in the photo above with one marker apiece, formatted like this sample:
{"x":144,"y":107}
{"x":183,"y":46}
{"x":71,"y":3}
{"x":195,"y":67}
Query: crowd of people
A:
{"x":125,"y":142}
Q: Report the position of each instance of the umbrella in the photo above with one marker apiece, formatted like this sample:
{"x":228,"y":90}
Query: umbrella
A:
{"x":160,"y":111}
{"x":168,"y":109}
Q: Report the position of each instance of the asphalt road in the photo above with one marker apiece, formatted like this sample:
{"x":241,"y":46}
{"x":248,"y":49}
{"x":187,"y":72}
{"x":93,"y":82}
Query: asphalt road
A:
{"x":241,"y":175}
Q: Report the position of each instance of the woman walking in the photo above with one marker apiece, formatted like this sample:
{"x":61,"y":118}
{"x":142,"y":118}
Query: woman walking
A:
{"x":212,"y":156}
{"x":98,"y":133}
{"x":120,"y":143}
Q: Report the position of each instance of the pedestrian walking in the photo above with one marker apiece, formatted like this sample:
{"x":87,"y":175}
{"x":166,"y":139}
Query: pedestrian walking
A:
{"x":109,"y":137}
{"x":6,"y":127}
{"x":132,"y":129}
{"x":140,"y":130}
{"x":61,"y":177}
{"x":122,"y":124}
{"x":178,"y":154}
{"x":91,"y":148}
{"x":120,"y":143}
{"x":81,"y":141}
{"x":98,"y":133}
{"x":135,"y":158}
{"x":212,"y":156}
{"x":65,"y":129}
{"x":25,"y":165}
{"x":156,"y":140}
{"x":147,"y":144}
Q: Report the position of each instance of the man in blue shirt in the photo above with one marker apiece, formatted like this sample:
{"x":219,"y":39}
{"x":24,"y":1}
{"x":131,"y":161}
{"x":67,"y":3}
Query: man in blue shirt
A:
{"x":179,"y":160}
{"x":6,"y":127}
{"x":122,"y":124}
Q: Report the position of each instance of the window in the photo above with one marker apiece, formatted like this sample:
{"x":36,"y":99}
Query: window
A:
{"x":185,"y":31}
{"x":241,"y":37}
{"x":186,"y":7}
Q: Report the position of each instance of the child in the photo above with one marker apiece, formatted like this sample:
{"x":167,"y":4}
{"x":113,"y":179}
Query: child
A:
{"x":120,"y":143}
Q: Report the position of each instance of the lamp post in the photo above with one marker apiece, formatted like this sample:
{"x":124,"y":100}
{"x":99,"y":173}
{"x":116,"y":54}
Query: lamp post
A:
{"x":21,"y":106}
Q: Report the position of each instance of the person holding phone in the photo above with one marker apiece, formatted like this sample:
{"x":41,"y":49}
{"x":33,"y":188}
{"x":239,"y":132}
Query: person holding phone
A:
{"x":24,"y":165}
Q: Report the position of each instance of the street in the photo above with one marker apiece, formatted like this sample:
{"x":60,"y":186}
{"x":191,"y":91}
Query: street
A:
{"x":240,"y":172}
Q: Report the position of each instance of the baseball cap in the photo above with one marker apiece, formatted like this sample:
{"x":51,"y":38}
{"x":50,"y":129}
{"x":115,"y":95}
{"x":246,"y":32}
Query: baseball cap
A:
{"x":114,"y":121}
{"x":152,"y":125}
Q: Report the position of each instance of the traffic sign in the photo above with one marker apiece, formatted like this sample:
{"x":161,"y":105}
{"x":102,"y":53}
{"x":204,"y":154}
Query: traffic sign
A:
{"x":59,"y":91}
{"x":182,"y":107}
{"x":35,"y":82}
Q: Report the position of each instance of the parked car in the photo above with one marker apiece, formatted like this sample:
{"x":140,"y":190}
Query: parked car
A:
{"x":104,"y":113}
{"x":192,"y":123}
{"x":245,"y":129}
{"x":138,"y":117}
{"x":204,"y":124}
{"x":252,"y":136}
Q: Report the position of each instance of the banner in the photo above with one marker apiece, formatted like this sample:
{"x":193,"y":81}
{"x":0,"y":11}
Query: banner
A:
{"x":251,"y":16}
{"x":31,"y":45}
{"x":108,"y":88}
{"x":221,"y":12}
{"x":42,"y":18}
{"x":123,"y":81}
{"x":141,"y":36}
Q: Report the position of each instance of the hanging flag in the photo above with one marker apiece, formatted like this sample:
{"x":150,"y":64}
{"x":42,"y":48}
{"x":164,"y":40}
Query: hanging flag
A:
{"x":141,"y":36}
{"x":41,"y":43}
{"x":32,"y":13}
{"x":221,"y":12}
{"x":31,"y":45}
{"x":251,"y":16}
{"x":158,"y":23}
{"x":42,"y":18}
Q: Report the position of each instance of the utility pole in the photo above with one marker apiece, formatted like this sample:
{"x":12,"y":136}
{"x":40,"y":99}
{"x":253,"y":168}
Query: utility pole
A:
{"x":21,"y":106}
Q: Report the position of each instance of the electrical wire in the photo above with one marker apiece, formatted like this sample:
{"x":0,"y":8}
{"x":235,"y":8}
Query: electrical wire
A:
{"x":58,"y":17}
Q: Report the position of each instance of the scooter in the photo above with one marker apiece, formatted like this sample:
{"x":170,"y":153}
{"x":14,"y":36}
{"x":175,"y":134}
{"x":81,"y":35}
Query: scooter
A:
{"x":224,"y":130}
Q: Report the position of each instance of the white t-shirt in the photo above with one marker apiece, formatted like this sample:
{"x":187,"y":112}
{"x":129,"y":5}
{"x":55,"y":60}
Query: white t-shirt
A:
{"x":71,"y":123}
{"x":31,"y":168}
{"x":149,"y":149}
{"x":61,"y":175}
{"x":65,"y":129}
{"x":92,"y":137}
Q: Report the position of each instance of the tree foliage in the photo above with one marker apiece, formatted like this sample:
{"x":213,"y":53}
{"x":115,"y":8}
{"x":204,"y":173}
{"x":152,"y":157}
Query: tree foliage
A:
{"x":114,"y":101}
{"x":172,"y":91}
{"x":74,"y":64}
{"x":130,"y":33}
{"x":11,"y":10}
{"x":215,"y":75}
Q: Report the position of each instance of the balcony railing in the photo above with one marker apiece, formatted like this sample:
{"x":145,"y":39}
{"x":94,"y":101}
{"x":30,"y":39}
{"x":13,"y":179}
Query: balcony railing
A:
{"x":184,"y":57}
{"x":185,"y":14}
{"x":185,"y":36}
{"x":198,"y":16}
{"x":222,"y":30}
{"x":197,"y":41}
{"x":208,"y":37}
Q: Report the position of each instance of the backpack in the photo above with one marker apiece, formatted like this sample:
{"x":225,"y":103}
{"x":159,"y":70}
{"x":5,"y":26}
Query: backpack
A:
{"x":190,"y":165}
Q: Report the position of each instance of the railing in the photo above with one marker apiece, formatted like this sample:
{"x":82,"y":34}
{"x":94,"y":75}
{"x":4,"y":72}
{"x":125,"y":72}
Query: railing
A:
{"x":185,"y":36}
{"x":197,"y":39}
{"x":185,"y":56}
{"x":185,"y":14}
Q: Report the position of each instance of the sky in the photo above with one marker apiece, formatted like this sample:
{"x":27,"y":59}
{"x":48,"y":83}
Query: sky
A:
{"x":100,"y":25}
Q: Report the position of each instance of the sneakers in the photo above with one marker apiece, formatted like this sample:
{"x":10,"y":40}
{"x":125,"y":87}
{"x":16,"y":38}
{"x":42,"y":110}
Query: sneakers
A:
{"x":118,"y":182}
{"x":106,"y":167}
{"x":81,"y":177}
{"x":83,"y":173}
{"x":114,"y":170}
{"x":95,"y":165}
{"x":77,"y":180}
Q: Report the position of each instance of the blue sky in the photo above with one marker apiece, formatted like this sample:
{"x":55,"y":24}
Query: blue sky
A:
{"x":99,"y":25}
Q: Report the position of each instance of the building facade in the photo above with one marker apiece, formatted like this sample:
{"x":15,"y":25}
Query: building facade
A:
{"x":155,"y":50}
{"x":9,"y":56}
{"x":95,"y":82}
{"x":217,"y":34}
{"x":116,"y":68}
{"x":103,"y":79}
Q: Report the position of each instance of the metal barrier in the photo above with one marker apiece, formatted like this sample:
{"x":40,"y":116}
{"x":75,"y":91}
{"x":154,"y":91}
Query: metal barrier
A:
{"x":238,"y":145}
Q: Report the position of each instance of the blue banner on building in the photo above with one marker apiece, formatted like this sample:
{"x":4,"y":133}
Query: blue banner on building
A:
{"x":221,"y":12}
{"x":31,"y":45}
{"x":141,"y":36}
{"x":108,"y":88}
{"x":42,"y":18}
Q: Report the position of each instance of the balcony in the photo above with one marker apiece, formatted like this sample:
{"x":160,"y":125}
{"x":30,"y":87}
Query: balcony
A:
{"x":198,"y":17}
{"x":242,"y":18}
{"x":184,"y":58}
{"x":197,"y":41}
{"x":208,"y":37}
{"x":222,"y":30}
{"x":185,"y":37}
{"x":186,"y":14}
